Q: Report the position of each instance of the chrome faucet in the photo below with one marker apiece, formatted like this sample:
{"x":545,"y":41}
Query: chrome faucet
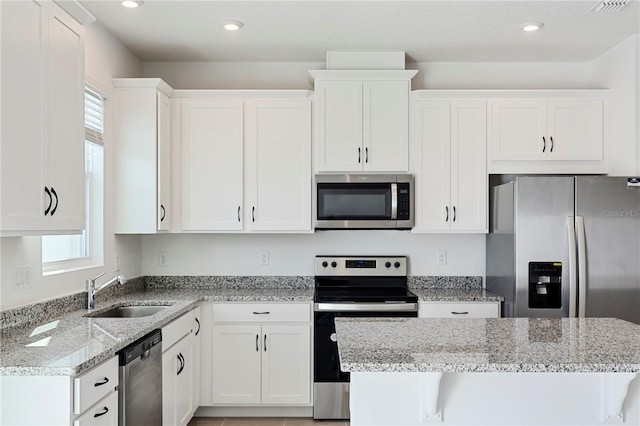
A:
{"x":91,"y":287}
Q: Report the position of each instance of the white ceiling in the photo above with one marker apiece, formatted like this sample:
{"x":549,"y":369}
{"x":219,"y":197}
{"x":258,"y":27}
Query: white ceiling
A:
{"x":427,"y":30}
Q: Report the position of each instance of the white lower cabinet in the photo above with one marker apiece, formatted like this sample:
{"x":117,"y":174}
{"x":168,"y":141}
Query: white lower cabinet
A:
{"x":459,"y":310}
{"x":180,"y":368}
{"x":88,"y":399}
{"x":258,"y":361}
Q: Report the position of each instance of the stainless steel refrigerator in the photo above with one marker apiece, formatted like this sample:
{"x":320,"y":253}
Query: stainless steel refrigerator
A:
{"x":565,"y":246}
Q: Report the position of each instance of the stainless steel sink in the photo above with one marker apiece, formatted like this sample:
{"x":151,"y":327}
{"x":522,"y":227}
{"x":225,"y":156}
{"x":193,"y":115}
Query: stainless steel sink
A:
{"x":135,"y":311}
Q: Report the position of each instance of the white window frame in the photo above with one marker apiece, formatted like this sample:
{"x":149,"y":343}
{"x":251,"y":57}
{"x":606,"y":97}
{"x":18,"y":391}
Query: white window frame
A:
{"x":94,"y":202}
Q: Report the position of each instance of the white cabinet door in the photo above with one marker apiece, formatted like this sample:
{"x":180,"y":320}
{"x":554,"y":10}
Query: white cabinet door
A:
{"x":163,"y":205}
{"x":286,"y":364}
{"x":575,"y":130}
{"x":24,"y":27}
{"x":278,"y":165}
{"x":338,"y":145}
{"x":386,"y":125}
{"x":212,"y":156}
{"x":64,"y":164}
{"x":519,"y":129}
{"x":177,"y":383}
{"x":469,"y":185}
{"x":450,"y":160}
{"x":236,"y":364}
{"x":432,"y":157}
{"x":197,"y":347}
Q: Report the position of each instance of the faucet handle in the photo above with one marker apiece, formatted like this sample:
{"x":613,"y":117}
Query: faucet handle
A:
{"x":99,"y":276}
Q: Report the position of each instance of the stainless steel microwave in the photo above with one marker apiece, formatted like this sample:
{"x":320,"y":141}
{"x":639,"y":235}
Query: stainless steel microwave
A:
{"x":364,"y":201}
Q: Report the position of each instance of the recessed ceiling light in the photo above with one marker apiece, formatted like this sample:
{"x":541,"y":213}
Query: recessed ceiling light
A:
{"x":132,"y":4}
{"x":232,"y":25}
{"x":531,"y":26}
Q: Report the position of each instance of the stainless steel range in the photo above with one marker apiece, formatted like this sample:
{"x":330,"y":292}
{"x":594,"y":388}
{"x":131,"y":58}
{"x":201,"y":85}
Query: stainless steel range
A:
{"x":363,"y":286}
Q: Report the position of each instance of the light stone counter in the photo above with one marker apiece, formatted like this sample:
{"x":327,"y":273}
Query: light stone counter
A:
{"x":488,"y":345}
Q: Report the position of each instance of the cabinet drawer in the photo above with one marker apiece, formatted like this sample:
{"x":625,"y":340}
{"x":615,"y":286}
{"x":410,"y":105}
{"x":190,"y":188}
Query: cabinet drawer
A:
{"x":459,"y":310}
{"x":94,"y":385}
{"x":176,"y":330}
{"x":102,"y":414}
{"x":262,"y":312}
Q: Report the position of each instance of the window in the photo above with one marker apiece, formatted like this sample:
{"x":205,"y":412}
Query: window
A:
{"x":62,"y":253}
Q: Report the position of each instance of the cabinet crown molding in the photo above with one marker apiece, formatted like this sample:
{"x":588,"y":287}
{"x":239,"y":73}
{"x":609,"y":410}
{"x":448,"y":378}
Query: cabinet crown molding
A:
{"x":143,"y":83}
{"x":363,"y":74}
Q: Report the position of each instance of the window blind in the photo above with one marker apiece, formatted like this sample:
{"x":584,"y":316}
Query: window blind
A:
{"x":93,"y":116}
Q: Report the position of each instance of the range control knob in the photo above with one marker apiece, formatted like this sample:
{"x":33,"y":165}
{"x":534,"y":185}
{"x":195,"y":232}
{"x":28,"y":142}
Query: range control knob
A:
{"x":325,"y":264}
{"x":334,"y":264}
{"x":388,"y":264}
{"x":397,"y":264}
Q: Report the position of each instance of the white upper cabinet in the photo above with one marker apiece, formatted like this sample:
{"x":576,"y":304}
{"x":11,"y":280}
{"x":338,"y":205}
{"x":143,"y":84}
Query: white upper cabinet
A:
{"x":246,"y":165}
{"x":362,"y":120}
{"x":547,"y":135}
{"x":449,"y":158}
{"x":142,"y":155}
{"x":42,"y":119}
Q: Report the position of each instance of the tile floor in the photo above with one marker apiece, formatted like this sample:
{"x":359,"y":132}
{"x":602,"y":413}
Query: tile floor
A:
{"x":259,"y":421}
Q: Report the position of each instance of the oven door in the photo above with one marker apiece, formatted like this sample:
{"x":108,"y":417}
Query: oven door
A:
{"x":331,"y":386}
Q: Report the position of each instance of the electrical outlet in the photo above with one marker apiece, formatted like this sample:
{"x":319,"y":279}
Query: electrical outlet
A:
{"x":441,"y":257}
{"x":264,"y":258}
{"x":117,"y":263}
{"x":163,"y":258}
{"x":23,"y":277}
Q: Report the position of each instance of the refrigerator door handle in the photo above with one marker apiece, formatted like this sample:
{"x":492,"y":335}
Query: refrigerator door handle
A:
{"x":582,"y":268}
{"x":571,"y":233}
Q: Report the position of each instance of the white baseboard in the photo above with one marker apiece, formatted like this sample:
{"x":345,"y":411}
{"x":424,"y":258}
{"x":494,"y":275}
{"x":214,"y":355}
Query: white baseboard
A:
{"x":254,"y":412}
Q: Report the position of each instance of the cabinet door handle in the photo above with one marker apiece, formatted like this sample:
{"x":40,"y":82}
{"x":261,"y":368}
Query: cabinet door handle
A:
{"x":253,"y":213}
{"x":46,"y":191}
{"x":164,"y":213}
{"x":265,"y":342}
{"x":551,"y":138}
{"x":261,"y":313}
{"x":454,"y":213}
{"x":257,"y":338}
{"x":53,"y":210}
{"x":366,"y":155}
{"x":103,"y":382}
{"x":238,"y":213}
{"x":181,"y":359}
{"x":106,"y":410}
{"x":359,"y":150}
{"x":198,"y":330}
{"x":446,"y":209}
{"x":544,"y":144}
{"x":460,"y":313}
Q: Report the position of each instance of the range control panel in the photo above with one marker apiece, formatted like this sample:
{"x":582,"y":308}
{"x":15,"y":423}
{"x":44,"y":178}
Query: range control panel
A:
{"x":374,"y":266}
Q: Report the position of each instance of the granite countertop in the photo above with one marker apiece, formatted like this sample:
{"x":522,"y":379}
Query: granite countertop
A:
{"x":73,"y":343}
{"x":455,"y":295}
{"x":488,"y":345}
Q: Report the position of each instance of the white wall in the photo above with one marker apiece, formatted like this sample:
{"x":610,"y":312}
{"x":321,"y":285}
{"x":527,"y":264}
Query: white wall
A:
{"x":618,"y":70}
{"x":238,"y":254}
{"x":105,"y":57}
{"x":294,"y":75}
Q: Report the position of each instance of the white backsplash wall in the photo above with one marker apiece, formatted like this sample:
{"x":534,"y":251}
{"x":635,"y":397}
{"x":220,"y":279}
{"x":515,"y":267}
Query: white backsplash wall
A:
{"x":293,"y":254}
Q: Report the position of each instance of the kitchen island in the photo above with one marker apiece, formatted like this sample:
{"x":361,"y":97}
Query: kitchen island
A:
{"x":501,"y":371}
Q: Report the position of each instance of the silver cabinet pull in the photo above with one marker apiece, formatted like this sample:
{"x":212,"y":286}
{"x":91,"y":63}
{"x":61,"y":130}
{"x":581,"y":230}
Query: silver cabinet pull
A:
{"x":460,"y":313}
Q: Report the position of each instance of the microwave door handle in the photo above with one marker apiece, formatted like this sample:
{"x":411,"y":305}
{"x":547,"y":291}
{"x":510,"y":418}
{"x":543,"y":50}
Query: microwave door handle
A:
{"x":394,"y":201}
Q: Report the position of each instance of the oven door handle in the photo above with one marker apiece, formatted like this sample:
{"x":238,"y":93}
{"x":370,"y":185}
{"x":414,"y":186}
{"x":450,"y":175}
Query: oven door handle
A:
{"x":365,"y":307}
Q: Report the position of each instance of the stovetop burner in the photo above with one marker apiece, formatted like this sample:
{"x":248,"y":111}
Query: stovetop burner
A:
{"x":364,"y":279}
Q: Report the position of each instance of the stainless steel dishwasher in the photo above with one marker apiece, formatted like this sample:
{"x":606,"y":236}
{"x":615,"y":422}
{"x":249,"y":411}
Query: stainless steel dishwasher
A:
{"x":140,"y":390}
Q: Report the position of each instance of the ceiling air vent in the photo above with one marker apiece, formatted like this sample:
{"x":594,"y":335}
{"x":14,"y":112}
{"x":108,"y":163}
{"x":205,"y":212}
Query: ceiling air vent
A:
{"x":609,"y":5}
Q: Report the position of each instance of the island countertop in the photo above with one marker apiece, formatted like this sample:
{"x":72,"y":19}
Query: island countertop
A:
{"x":488,"y":345}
